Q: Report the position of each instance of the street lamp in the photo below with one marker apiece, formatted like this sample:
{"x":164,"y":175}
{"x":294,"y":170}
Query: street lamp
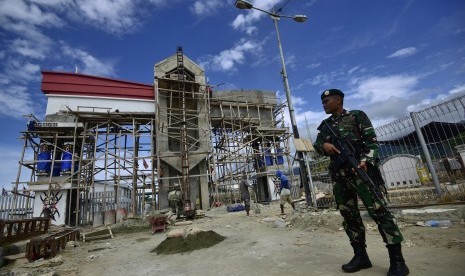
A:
{"x":244,"y":5}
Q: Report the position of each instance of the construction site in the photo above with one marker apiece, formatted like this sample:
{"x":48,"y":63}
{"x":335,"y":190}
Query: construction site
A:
{"x":108,"y":148}
{"x":100,"y":167}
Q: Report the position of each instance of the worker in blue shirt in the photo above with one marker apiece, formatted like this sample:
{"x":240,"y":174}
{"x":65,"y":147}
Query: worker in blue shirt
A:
{"x":285,"y":191}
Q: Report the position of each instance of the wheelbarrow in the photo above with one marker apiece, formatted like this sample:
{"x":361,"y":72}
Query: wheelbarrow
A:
{"x":158,"y":223}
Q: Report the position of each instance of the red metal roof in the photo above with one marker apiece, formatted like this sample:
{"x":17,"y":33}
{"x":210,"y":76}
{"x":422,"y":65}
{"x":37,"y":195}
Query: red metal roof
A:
{"x":62,"y":83}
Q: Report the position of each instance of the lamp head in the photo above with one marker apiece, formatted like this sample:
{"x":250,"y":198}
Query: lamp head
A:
{"x":300,"y":18}
{"x":243,"y":5}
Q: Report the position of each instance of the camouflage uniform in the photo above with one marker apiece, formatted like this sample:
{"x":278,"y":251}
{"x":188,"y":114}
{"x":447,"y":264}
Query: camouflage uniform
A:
{"x":355,"y":126}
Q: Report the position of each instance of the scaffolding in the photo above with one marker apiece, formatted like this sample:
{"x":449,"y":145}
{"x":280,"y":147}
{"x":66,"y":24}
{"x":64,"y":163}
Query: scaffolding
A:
{"x":203,"y":140}
{"x":183,"y":133}
{"x":248,"y":137}
{"x":103,"y":171}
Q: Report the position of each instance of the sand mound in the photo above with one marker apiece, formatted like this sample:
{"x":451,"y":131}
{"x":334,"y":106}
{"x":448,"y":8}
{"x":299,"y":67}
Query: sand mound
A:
{"x":203,"y":239}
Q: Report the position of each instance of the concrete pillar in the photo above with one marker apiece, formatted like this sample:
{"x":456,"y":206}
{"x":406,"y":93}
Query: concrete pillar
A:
{"x":110,"y":217}
{"x":121,"y":214}
{"x":98,"y":219}
{"x":204,"y":193}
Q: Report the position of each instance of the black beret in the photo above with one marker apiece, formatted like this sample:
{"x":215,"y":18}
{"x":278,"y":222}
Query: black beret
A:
{"x":332,"y":92}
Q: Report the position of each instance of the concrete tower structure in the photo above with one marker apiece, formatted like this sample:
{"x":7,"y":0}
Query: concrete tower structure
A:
{"x":183,"y":129}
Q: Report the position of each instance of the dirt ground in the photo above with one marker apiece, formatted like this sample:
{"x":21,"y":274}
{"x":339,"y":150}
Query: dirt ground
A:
{"x":303,"y":242}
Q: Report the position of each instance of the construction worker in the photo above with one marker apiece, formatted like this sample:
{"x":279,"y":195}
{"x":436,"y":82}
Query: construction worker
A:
{"x":175,"y":200}
{"x":284,"y":191}
{"x":245,"y":194}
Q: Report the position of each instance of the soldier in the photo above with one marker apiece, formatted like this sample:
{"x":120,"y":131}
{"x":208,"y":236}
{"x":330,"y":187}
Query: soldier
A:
{"x":358,"y":130}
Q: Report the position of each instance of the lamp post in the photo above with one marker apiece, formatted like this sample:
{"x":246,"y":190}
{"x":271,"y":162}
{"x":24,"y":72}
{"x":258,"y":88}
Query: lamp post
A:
{"x":244,"y":5}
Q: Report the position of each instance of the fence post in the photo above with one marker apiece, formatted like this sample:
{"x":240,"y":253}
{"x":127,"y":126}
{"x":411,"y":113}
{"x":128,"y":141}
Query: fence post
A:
{"x":309,"y":172}
{"x":424,"y":148}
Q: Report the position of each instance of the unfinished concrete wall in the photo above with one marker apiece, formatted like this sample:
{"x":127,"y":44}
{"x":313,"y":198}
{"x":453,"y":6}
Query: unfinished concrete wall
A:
{"x":183,"y":127}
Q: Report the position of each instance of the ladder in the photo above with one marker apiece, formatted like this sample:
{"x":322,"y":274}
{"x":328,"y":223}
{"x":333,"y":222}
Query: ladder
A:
{"x":184,"y":147}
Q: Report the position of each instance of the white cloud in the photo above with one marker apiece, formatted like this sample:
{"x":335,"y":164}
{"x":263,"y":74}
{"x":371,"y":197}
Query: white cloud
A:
{"x":352,"y":70}
{"x":393,"y":108}
{"x":51,"y":2}
{"x":12,"y":12}
{"x":405,"y":52}
{"x":298,"y":101}
{"x":15,"y":101}
{"x":302,"y":116}
{"x":160,"y":2}
{"x":9,"y":167}
{"x":30,"y":22}
{"x":378,"y":89}
{"x":245,"y":21}
{"x":226,"y":60}
{"x":290,"y":60}
{"x":324,"y":80}
{"x":380,"y":114}
{"x":458,"y":89}
{"x":206,"y":7}
{"x":87,"y":63}
{"x":308,"y":123}
{"x":313,"y":65}
{"x":446,"y":65}
{"x":28,"y":49}
{"x":423,"y":103}
{"x":18,"y":71}
{"x":114,"y":16}
{"x":26,"y":21}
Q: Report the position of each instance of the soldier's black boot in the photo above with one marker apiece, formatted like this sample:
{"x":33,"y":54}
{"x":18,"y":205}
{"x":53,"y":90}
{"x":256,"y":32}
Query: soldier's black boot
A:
{"x":397,"y":263}
{"x":360,"y":259}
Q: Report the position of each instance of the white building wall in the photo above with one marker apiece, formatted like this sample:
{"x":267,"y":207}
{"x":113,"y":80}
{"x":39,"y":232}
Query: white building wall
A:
{"x":97,"y":104}
{"x":60,"y":206}
{"x":400,"y":171}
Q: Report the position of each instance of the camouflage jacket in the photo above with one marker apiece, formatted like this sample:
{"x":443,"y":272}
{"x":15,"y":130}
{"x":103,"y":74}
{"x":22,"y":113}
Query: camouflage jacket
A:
{"x":356,"y":127}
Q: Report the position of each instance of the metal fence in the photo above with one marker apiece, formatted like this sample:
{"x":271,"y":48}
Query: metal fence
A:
{"x":95,"y":202}
{"x":16,"y":206}
{"x":421,"y":157}
{"x":20,"y":206}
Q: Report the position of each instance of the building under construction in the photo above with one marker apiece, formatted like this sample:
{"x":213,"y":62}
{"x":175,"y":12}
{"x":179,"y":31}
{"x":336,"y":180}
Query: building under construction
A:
{"x":108,"y":147}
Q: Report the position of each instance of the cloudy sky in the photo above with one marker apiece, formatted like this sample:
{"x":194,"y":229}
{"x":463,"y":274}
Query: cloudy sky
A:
{"x":389,"y":57}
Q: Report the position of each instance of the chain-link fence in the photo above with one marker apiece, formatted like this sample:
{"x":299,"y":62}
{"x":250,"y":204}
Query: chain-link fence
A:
{"x":421,"y":157}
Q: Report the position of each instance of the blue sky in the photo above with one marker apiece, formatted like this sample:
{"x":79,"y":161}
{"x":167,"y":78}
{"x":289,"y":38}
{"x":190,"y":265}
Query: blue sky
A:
{"x":389,"y":57}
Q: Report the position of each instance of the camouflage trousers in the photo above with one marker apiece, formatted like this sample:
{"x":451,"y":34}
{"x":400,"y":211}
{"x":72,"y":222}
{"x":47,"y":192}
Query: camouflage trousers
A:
{"x":346,"y":190}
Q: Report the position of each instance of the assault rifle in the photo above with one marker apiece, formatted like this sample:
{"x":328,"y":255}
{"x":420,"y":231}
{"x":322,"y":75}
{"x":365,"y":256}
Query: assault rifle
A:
{"x":347,"y":155}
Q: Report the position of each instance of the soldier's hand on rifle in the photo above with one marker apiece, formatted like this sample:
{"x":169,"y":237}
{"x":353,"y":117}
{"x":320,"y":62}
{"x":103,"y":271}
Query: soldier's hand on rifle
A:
{"x":330,"y":149}
{"x":363,"y":165}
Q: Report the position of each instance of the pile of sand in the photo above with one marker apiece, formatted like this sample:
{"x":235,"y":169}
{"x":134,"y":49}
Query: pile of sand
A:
{"x":202,"y":239}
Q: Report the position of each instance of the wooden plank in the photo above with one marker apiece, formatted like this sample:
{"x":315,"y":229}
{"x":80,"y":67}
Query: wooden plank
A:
{"x":96,"y":235}
{"x":99,"y":237}
{"x":15,"y":257}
